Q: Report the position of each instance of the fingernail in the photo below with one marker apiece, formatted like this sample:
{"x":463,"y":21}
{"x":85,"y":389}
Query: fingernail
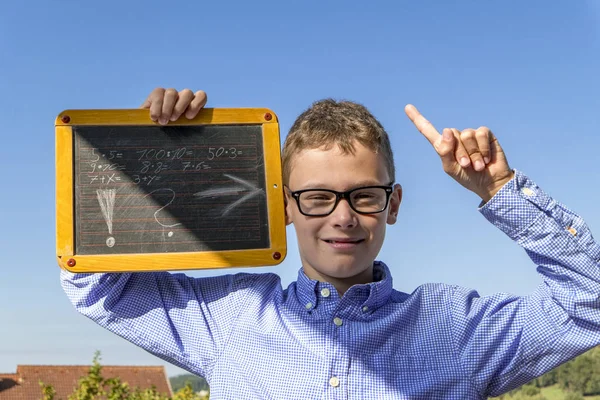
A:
{"x":464,"y":162}
{"x":479,"y":165}
{"x":486,"y":159}
{"x":173,"y":118}
{"x":163,"y":121}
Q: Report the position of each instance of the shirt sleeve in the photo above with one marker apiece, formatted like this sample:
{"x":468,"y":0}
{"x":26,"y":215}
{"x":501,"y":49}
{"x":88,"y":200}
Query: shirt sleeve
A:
{"x":185,"y":321}
{"x":504,"y":341}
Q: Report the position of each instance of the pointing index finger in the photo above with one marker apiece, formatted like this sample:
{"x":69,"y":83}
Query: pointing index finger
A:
{"x":422,"y":124}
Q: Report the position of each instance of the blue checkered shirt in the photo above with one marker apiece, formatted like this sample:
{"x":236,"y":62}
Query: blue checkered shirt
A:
{"x":252,"y":339}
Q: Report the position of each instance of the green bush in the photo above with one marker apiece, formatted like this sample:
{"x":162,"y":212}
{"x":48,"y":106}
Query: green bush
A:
{"x":94,"y":386}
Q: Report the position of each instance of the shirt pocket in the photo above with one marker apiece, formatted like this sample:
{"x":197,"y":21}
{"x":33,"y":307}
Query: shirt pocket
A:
{"x":405,"y":376}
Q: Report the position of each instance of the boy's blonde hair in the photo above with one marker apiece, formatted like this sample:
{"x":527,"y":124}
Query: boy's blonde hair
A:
{"x":329,"y":122}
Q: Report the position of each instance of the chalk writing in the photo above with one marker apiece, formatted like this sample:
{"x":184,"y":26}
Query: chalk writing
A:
{"x":106,"y":198}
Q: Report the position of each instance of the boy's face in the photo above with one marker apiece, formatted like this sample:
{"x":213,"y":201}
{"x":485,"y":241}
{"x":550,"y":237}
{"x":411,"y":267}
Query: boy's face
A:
{"x":341,"y":246}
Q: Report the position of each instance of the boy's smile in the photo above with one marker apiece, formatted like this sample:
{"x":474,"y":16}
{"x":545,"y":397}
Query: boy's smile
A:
{"x":340,"y":247}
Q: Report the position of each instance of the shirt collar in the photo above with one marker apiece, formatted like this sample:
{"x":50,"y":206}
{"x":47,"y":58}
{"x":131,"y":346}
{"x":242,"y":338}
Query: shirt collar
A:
{"x":370,"y":295}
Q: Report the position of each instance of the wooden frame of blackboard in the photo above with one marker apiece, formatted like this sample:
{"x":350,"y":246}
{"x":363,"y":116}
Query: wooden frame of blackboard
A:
{"x":67,"y":257}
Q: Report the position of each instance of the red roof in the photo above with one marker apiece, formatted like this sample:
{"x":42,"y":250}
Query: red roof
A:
{"x":24,"y":385}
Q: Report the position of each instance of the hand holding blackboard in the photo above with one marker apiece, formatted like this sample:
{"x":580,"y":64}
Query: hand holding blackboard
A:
{"x":169,"y":105}
{"x":136,"y":196}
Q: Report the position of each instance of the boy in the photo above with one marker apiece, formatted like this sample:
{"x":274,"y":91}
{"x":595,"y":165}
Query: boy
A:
{"x":341,"y":331}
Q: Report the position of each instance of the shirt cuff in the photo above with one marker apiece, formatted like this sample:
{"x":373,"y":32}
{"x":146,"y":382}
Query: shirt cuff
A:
{"x":517,"y":205}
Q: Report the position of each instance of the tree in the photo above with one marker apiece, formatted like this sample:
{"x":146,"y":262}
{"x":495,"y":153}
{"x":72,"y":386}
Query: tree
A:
{"x":198,"y":383}
{"x":579,"y":375}
{"x":94,"y":386}
{"x":48,"y":392}
{"x":529,"y":391}
{"x":548,"y":379}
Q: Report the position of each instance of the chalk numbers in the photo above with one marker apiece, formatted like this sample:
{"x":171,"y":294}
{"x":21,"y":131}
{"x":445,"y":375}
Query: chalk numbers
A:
{"x":217,"y":152}
{"x":146,"y":165}
{"x":105,"y":167}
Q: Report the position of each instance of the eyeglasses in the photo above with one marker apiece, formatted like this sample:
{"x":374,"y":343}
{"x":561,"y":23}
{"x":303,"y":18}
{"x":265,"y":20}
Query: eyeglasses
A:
{"x":363,"y":200}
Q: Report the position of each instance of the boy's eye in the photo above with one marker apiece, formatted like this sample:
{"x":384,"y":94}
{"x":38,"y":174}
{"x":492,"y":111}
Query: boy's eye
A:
{"x":364,"y":195}
{"x":368,"y":197}
{"x":318,"y":196}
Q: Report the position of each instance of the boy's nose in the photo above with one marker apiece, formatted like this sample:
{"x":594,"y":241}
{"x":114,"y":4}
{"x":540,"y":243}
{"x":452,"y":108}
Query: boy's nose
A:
{"x":343,"y":215}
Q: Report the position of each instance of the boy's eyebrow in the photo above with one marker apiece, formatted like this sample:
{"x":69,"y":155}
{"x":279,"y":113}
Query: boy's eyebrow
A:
{"x":320,"y":185}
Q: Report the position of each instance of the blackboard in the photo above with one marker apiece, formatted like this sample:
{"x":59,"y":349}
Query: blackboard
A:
{"x":141,"y":189}
{"x":166,"y":189}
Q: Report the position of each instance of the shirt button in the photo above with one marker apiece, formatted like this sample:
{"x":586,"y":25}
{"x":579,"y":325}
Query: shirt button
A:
{"x":334,"y":381}
{"x":365,"y":309}
{"x":527,"y":192}
{"x":573,"y":231}
{"x":325,"y":292}
{"x":308,"y":306}
{"x":337,"y":321}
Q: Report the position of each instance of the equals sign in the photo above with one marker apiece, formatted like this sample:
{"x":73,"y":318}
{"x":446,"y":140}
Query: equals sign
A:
{"x":188,"y":153}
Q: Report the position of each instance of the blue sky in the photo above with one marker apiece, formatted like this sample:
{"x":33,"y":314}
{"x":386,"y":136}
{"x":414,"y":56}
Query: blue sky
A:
{"x":528,"y":70}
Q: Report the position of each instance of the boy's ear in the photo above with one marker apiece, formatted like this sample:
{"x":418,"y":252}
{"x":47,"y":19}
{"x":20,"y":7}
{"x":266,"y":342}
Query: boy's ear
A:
{"x":288,"y":210}
{"x":394,"y":207}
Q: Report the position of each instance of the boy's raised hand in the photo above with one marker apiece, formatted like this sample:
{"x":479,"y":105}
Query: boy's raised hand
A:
{"x":168,"y":104}
{"x":473,"y":157}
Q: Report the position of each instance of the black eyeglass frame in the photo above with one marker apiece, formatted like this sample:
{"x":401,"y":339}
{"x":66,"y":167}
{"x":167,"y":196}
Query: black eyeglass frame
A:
{"x":389,"y":189}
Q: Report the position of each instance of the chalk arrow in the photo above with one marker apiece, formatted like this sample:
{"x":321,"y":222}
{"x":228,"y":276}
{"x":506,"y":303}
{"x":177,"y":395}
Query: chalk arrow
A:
{"x":241,"y":187}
